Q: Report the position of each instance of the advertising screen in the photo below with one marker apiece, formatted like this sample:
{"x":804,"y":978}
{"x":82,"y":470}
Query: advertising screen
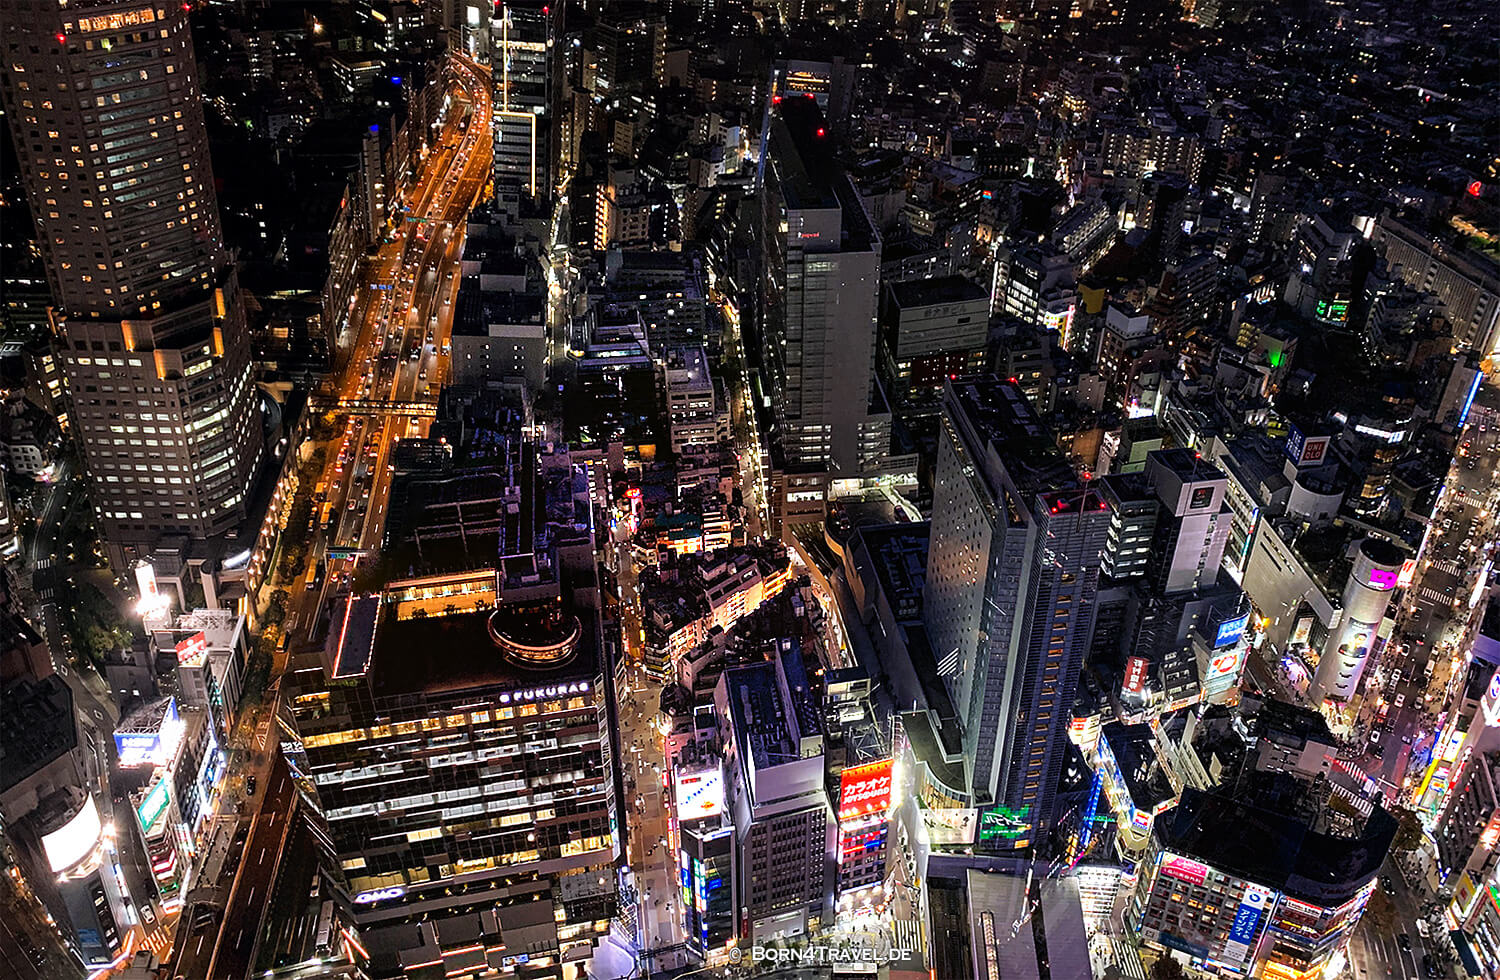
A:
{"x":152,"y":806}
{"x":150,"y":748}
{"x":950,"y":825}
{"x":1223,"y":664}
{"x":1135,"y":675}
{"x":1231,"y":630}
{"x":192,"y":651}
{"x":1383,"y":578}
{"x":699,"y":794}
{"x":865,"y":789}
{"x":74,"y":840}
{"x":1184,"y":869}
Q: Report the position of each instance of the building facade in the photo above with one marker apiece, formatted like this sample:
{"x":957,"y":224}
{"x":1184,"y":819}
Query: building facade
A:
{"x":1012,"y":572}
{"x":148,"y":318}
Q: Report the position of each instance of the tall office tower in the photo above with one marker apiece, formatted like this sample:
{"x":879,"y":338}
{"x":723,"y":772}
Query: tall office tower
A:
{"x":149,"y":323}
{"x":821,"y":275}
{"x":527,"y":83}
{"x":784,"y":832}
{"x":629,"y":42}
{"x":1012,"y":570}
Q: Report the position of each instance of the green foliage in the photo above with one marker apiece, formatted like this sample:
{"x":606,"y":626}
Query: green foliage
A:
{"x":1167,"y":968}
{"x":1408,"y":832}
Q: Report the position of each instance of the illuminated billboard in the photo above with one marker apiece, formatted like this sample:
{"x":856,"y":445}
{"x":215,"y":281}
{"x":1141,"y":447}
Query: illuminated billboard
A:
{"x":1231,"y":630}
{"x":154,"y":803}
{"x":1384,"y":578}
{"x":150,"y":741}
{"x":950,"y":825}
{"x":699,"y":794}
{"x":1407,"y":573}
{"x":74,"y":840}
{"x":865,"y":789}
{"x":1224,"y":664}
{"x":1184,"y":869}
{"x":192,"y":651}
{"x":1135,"y":675}
{"x":1247,"y":919}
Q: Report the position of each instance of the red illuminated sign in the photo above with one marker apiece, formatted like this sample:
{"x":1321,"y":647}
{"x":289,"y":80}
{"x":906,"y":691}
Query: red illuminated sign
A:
{"x":865,"y":789}
{"x":1184,"y":869}
{"x":191,"y":651}
{"x":1135,"y":675}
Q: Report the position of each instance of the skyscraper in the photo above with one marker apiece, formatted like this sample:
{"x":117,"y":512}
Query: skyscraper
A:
{"x":1012,"y":570}
{"x":821,"y":262}
{"x":527,"y":93}
{"x":148,"y":321}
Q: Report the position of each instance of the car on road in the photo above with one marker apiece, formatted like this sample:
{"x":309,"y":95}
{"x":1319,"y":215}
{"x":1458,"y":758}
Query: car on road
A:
{"x":1404,"y":941}
{"x":1430,"y":968}
{"x":250,"y":785}
{"x":204,"y":915}
{"x":1387,"y":883}
{"x":1400,"y":700}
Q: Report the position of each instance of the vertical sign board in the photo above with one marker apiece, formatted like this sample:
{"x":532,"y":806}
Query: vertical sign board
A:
{"x":1246,"y":922}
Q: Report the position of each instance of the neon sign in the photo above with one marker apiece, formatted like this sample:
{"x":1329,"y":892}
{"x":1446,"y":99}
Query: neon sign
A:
{"x":379,"y":895}
{"x":1231,"y":630}
{"x":192,"y":651}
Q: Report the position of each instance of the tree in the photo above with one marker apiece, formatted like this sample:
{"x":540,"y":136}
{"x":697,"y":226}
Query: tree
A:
{"x":276,"y":608}
{"x":1381,"y":913}
{"x":1408,"y":832}
{"x":1166,"y":967}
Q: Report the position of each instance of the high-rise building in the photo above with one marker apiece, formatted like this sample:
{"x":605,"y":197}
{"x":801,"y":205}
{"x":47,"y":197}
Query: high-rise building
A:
{"x":931,"y":330}
{"x":1256,"y":890}
{"x":466,"y":806}
{"x":776,"y":799}
{"x":817,"y":317}
{"x":55,"y":814}
{"x":527,"y":82}
{"x":148,"y":320}
{"x":1012,"y":571}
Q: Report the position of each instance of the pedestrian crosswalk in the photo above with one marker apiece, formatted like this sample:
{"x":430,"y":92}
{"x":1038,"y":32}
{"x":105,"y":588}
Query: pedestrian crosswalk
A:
{"x":1433,"y":595}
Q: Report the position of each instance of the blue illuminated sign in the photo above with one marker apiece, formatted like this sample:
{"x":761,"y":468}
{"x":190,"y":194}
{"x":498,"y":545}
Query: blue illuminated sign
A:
{"x":1231,"y":630}
{"x":1463,"y":413}
{"x":1295,"y":440}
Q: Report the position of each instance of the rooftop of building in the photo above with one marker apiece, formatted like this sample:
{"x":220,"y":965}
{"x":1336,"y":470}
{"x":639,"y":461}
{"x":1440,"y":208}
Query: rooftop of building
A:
{"x":898,"y":555}
{"x":1185,"y":464}
{"x":36,"y":727}
{"x":766,"y":726}
{"x":688,"y":366}
{"x":446,"y":654}
{"x":1282,"y":722}
{"x":1229,"y":831}
{"x":480,"y":309}
{"x":1134,"y":748}
{"x":1007,"y":424}
{"x":943,"y":290}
